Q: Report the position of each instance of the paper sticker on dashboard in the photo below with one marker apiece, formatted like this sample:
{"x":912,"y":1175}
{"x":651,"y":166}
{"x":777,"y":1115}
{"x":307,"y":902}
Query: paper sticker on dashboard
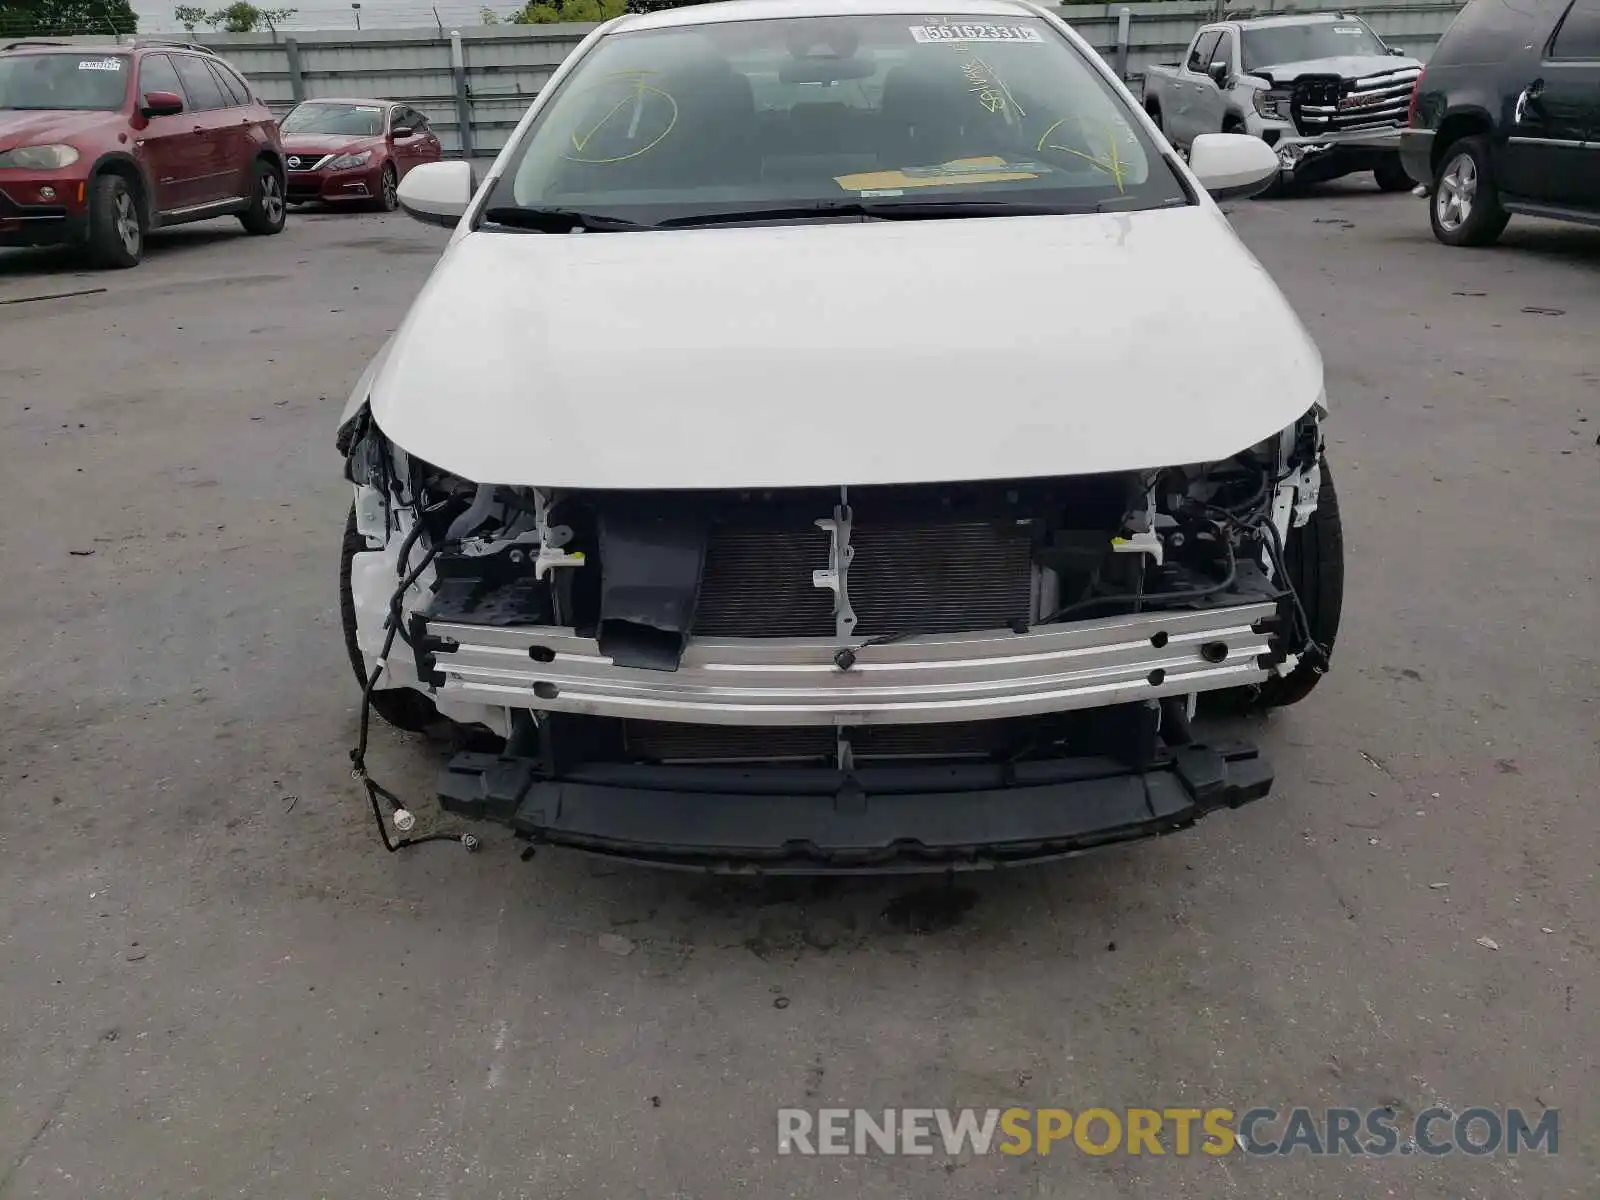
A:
{"x":975,"y":33}
{"x":950,"y":174}
{"x":101,"y":64}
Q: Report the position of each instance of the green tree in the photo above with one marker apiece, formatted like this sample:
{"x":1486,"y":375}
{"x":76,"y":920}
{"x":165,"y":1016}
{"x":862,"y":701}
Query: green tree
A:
{"x":243,"y":17}
{"x":189,"y":15}
{"x":488,"y":16}
{"x":550,"y":12}
{"x":64,"y":18}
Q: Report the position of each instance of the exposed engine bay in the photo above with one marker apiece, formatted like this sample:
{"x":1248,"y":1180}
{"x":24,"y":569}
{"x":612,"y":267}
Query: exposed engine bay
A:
{"x":840,"y":630}
{"x":646,"y":574}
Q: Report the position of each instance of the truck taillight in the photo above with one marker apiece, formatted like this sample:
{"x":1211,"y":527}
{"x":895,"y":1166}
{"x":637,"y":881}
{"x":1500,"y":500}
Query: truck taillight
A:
{"x":1416,"y":90}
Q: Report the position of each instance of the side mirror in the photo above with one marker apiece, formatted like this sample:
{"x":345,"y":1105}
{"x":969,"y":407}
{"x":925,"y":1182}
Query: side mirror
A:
{"x":438,"y":193}
{"x":1218,"y":71}
{"x":1397,"y":52}
{"x":400,"y":133}
{"x":161,"y":104}
{"x":1233,"y":166}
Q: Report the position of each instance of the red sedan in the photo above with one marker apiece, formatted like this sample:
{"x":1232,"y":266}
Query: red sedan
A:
{"x":343,"y":151}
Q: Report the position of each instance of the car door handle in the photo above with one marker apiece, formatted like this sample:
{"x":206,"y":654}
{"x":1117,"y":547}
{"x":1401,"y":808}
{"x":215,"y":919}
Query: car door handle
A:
{"x":1529,"y":95}
{"x":199,"y":128}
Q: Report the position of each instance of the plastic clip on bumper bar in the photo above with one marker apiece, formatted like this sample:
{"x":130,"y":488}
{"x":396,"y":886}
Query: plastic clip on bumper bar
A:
{"x":876,"y":819}
{"x":916,"y":680}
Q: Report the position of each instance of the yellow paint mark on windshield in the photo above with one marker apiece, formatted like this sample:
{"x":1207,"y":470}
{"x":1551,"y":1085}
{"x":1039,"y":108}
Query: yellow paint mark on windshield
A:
{"x":634,"y":101}
{"x":985,"y":82}
{"x":1111,"y":164}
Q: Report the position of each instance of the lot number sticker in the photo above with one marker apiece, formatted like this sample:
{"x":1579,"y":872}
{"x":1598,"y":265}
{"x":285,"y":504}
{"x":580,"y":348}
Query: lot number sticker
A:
{"x":975,"y":33}
{"x":101,"y":64}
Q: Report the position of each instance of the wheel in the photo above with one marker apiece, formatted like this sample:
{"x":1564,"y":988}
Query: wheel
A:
{"x":1391,"y":176}
{"x":116,"y":230}
{"x":388,"y":197}
{"x":403,"y":708}
{"x":267,"y":211}
{"x":1314,"y":563}
{"x":1465,"y":209}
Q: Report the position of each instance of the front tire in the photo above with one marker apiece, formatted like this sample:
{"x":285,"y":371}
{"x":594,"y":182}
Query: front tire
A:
{"x":268,"y":211}
{"x":1314,"y":564}
{"x":404,"y":708}
{"x":388,"y":197}
{"x":116,"y":226}
{"x":1390,"y":176}
{"x":1465,"y":207}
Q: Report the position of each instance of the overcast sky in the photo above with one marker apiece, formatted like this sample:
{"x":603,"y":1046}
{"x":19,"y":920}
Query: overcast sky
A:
{"x":336,"y":14}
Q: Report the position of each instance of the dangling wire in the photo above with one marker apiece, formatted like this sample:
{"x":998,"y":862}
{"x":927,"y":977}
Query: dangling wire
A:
{"x":358,"y":756}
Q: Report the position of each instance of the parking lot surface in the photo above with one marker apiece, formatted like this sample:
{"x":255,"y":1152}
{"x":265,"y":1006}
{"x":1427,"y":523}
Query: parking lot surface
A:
{"x":214,"y":982}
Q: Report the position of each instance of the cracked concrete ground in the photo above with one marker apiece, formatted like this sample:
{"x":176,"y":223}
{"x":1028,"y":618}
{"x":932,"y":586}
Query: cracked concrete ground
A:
{"x":213,"y":982}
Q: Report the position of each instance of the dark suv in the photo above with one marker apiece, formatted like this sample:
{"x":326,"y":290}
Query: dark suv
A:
{"x":99,"y":146}
{"x":1506,"y":118}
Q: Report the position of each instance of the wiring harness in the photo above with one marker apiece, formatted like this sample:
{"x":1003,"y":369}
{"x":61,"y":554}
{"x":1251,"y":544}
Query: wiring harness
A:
{"x":403,"y":820}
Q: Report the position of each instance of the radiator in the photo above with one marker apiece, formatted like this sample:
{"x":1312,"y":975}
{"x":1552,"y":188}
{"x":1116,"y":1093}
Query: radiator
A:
{"x":952,"y":577}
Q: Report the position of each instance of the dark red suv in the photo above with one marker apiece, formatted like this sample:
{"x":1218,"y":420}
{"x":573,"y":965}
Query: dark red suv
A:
{"x":97,"y":147}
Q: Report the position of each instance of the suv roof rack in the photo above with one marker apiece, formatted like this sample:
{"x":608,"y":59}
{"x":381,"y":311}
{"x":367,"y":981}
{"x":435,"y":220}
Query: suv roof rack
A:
{"x":172,"y":44}
{"x":31,"y":42}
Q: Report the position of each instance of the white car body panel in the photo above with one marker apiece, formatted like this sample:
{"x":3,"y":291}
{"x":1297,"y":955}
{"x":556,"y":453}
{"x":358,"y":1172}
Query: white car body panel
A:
{"x":845,"y":353}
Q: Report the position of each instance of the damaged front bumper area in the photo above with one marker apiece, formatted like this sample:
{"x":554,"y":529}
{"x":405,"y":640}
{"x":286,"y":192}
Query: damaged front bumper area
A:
{"x":910,"y":677}
{"x":882,"y":818}
{"x":1319,"y":157}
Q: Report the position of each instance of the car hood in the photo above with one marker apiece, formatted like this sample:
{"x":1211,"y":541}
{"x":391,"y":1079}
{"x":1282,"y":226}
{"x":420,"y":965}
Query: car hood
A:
{"x":844,"y":353}
{"x":33,"y":127}
{"x":1349,"y":66}
{"x":325,"y":144}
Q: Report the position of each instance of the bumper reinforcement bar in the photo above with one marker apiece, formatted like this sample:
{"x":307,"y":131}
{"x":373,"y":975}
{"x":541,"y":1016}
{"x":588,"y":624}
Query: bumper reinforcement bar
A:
{"x":916,"y":680}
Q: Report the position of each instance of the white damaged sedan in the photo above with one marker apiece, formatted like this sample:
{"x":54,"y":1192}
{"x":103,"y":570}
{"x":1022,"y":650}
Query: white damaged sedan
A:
{"x":824,"y":445}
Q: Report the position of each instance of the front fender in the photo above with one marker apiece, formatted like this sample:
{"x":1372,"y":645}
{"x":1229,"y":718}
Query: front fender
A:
{"x":363,"y":388}
{"x":122,"y":160}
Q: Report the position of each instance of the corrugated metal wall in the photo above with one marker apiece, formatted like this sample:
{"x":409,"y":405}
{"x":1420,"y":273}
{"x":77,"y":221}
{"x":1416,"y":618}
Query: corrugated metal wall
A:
{"x":505,"y":66}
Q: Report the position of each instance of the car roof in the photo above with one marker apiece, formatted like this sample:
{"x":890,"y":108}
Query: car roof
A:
{"x":766,"y":10}
{"x":1310,"y":18}
{"x":23,"y":46}
{"x":364,"y":102}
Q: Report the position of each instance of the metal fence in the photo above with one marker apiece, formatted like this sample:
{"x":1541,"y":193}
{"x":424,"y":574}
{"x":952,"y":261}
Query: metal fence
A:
{"x":474,"y":84}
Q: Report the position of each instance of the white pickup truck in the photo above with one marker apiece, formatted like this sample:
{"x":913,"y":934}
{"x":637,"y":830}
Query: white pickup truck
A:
{"x":1321,"y":89}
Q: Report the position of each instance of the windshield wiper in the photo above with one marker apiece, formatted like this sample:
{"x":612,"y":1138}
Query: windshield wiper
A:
{"x":558,"y":220}
{"x":889,"y":210}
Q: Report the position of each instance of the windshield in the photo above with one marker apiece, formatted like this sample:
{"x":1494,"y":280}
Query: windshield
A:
{"x":348,"y":120}
{"x":1277,"y":44}
{"x":63,"y":81}
{"x":735,"y":117}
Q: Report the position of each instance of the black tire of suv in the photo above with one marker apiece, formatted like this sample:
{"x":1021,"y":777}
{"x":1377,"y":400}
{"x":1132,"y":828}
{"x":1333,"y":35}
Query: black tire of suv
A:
{"x":108,"y":242}
{"x":1314,"y":563}
{"x":386,"y":200}
{"x":1390,"y":176}
{"x":268,"y":211}
{"x":403,"y":708}
{"x":1487,"y":220}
